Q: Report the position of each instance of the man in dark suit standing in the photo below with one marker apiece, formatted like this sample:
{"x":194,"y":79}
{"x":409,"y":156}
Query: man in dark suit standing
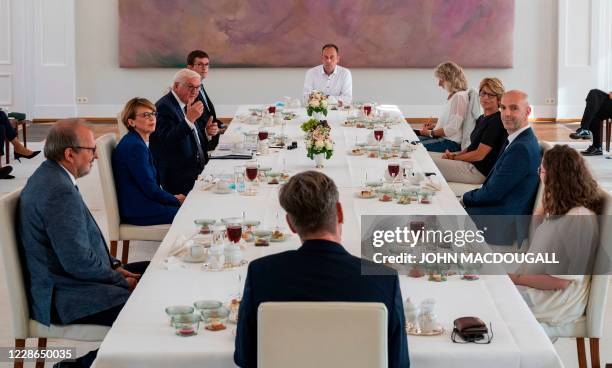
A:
{"x":199,"y":62}
{"x":320,"y":270}
{"x":71,"y":277}
{"x":179,"y":148}
{"x":512,"y":184}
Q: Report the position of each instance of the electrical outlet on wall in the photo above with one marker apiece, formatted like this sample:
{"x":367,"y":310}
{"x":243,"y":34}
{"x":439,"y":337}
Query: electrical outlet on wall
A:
{"x":549,"y":101}
{"x":82,"y":100}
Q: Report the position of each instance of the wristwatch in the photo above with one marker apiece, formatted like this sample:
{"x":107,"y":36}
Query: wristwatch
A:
{"x":116,"y":264}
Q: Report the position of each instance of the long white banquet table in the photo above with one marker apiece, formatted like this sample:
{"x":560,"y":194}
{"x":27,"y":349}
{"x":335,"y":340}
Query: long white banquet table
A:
{"x":142,"y":336}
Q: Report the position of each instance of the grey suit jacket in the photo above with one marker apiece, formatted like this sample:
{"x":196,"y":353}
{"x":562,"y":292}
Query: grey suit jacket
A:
{"x":67,"y":264}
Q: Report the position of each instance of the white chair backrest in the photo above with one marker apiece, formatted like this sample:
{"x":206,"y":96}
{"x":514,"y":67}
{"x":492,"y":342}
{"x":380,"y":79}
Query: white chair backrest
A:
{"x":17,"y":297}
{"x":544,"y":146}
{"x":322,"y":334}
{"x":122,"y":129}
{"x":106,"y":145}
{"x":469,"y":121}
{"x":601,"y":274}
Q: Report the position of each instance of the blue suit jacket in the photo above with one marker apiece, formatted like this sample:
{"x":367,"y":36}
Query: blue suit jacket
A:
{"x":174,"y":147}
{"x":318,"y":271}
{"x":67,"y":264}
{"x":509,"y":190}
{"x":138,"y":190}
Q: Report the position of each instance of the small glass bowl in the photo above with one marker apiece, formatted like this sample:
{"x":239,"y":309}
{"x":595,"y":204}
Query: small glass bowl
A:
{"x":178,"y":310}
{"x":205,"y":225}
{"x":425,"y":196}
{"x":215,"y":319}
{"x":204,"y":305}
{"x":186,"y":324}
{"x":262,"y":237}
{"x":385,"y":195}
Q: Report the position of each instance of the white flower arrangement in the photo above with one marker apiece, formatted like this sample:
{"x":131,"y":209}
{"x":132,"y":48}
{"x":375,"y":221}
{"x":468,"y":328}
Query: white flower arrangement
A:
{"x":317,"y":102}
{"x":318,"y":138}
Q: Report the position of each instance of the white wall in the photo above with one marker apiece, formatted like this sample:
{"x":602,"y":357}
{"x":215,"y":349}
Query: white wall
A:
{"x":107,"y":86}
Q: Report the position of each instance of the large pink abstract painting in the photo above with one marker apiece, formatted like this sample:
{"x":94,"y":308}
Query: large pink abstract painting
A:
{"x":290,"y":33}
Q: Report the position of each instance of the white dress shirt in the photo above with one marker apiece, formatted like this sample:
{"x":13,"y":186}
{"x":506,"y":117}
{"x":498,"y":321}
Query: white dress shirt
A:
{"x":513,"y":136}
{"x":72,"y":178}
{"x":338,"y":84}
{"x":452,"y":116}
{"x":191,"y":125}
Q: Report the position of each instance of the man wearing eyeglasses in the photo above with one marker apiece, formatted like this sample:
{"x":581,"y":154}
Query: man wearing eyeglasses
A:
{"x":199,"y":62}
{"x":179,"y":147}
{"x":71,"y":278}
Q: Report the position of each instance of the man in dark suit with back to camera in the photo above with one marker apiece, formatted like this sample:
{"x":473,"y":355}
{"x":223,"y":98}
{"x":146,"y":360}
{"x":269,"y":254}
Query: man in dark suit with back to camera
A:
{"x":199,"y":62}
{"x":71,"y":278}
{"x":512,"y":184}
{"x":179,"y":148}
{"x":320,"y":270}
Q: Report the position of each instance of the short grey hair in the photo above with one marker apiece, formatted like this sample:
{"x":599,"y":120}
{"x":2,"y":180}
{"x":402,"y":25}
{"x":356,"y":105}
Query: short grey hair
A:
{"x":310,"y":200}
{"x":184,"y":74}
{"x":61,"y":136}
{"x":522,"y":95}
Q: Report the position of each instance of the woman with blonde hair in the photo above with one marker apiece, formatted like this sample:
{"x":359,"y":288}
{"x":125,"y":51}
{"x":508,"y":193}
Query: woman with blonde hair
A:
{"x":473,"y":164}
{"x":558,"y":293}
{"x":447,"y":133}
{"x":141,"y":199}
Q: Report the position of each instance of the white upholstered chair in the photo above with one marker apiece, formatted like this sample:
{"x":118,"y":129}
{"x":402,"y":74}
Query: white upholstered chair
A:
{"x":116,"y":230}
{"x":322,"y":334}
{"x":122,"y":129}
{"x":591,"y":325}
{"x":22,"y":326}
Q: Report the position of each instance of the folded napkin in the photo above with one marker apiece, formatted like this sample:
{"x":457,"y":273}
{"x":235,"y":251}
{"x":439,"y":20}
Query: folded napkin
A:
{"x":173,"y":263}
{"x":178,"y":247}
{"x":431,"y":185}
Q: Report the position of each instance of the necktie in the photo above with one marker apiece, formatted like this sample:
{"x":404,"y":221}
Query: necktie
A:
{"x":203,"y":94}
{"x":198,"y":142}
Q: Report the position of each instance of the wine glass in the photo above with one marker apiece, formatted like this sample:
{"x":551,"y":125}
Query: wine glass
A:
{"x":378,"y":135}
{"x":262,"y":135}
{"x":234,"y":232}
{"x":393,"y":168}
{"x":251,"y":171}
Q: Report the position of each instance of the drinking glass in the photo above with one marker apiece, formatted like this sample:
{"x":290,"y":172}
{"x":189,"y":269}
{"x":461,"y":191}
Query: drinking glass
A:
{"x":378,"y":135}
{"x":234,"y":232}
{"x":251,"y":171}
{"x":393,"y":168}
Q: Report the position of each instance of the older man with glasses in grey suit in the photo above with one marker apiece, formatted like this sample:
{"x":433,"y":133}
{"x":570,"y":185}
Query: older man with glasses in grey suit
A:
{"x":71,"y":277}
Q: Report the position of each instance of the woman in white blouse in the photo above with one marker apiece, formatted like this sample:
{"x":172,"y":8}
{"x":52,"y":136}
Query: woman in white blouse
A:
{"x":447,"y":133}
{"x":558,"y":293}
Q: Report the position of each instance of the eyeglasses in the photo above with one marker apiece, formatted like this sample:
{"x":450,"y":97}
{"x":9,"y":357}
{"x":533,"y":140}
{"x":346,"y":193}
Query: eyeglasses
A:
{"x":93,"y":149}
{"x":192,"y":88}
{"x":147,"y":115}
{"x":202,"y":65}
{"x":483,"y":94}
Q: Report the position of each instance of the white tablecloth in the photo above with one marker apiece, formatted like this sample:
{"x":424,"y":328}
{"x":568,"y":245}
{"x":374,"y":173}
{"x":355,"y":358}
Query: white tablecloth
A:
{"x":142,"y":337}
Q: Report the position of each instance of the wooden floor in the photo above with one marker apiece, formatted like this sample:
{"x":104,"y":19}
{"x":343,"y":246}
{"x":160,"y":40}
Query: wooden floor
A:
{"x":554,"y":132}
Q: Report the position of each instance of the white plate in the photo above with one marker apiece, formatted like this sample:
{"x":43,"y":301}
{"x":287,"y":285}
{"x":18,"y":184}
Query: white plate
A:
{"x":222,"y":191}
{"x":278,"y":240}
{"x":188,"y":259}
{"x":358,"y":195}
